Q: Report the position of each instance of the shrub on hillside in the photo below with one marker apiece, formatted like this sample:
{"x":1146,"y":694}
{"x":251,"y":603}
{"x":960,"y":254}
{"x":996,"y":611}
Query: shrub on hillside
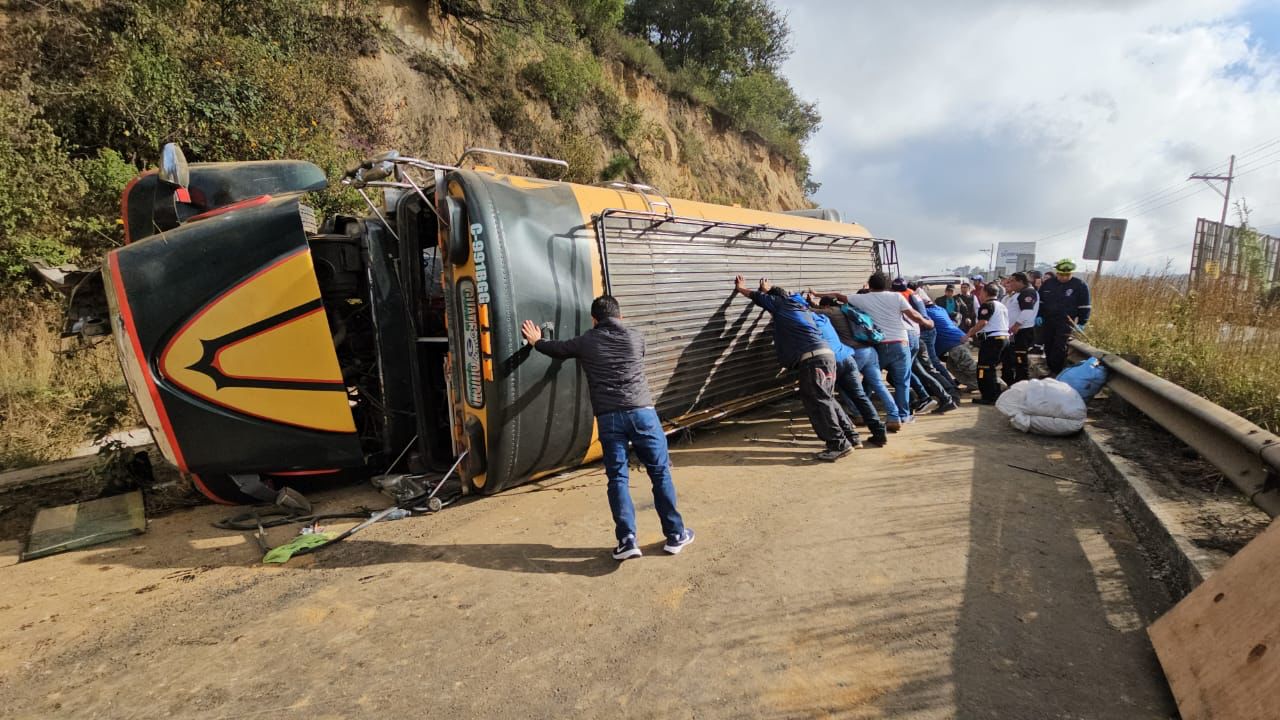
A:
{"x":111,"y":82}
{"x":39,"y":187}
{"x":565,"y":78}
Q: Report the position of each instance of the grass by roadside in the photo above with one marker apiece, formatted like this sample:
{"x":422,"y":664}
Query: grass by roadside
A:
{"x":1214,"y":341}
{"x":50,"y":402}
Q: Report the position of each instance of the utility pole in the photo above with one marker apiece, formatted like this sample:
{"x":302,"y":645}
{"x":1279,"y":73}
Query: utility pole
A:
{"x":1226,"y":198}
{"x":991,"y":259}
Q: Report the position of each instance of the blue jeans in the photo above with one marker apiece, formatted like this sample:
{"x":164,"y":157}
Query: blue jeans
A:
{"x":849,"y":383}
{"x":929,"y":338}
{"x":917,"y":385}
{"x":895,"y":358}
{"x":642,"y":428}
{"x":932,"y":384}
{"x":872,"y":381}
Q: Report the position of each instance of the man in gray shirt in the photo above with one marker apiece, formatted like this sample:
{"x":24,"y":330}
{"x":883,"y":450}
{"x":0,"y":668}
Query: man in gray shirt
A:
{"x":612,"y":355}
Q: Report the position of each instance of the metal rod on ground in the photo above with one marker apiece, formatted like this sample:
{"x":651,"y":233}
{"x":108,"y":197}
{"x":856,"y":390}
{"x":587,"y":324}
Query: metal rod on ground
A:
{"x":386,"y":511}
{"x":1056,"y":477}
{"x":440,"y":484}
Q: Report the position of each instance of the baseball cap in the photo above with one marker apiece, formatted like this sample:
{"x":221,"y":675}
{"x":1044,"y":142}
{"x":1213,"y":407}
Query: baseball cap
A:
{"x":898,"y":284}
{"x":976,"y":278}
{"x":1064,"y":265}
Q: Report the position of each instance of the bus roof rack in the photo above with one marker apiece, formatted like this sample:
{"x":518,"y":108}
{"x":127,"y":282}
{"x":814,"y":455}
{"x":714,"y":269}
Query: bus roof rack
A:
{"x":470,"y":152}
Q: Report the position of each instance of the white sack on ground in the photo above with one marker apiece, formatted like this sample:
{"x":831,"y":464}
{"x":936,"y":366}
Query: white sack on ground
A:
{"x":1045,"y":407}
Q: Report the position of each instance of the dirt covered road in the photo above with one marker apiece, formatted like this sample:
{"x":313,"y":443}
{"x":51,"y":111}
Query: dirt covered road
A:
{"x":924,"y":580}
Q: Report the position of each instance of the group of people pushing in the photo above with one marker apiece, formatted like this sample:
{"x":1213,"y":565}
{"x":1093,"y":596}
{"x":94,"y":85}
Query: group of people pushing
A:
{"x":843,"y":347}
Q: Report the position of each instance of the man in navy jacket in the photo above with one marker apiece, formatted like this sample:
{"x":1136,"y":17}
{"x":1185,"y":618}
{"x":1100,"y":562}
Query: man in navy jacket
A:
{"x":612,"y":356}
{"x":799,"y":346}
{"x":1064,"y":306}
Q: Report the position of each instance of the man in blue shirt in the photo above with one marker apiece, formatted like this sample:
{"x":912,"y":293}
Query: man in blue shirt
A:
{"x":950,"y":344}
{"x":928,"y":364}
{"x":867,"y":362}
{"x":799,"y":346}
{"x":848,"y":378}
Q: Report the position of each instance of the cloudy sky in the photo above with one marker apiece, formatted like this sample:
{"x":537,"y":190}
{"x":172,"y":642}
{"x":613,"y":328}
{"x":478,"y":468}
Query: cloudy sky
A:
{"x":949,"y":126}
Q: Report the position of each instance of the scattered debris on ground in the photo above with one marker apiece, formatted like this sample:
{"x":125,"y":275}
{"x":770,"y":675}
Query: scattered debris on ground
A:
{"x":1222,"y":519}
{"x":115,"y":470}
{"x":80,"y":525}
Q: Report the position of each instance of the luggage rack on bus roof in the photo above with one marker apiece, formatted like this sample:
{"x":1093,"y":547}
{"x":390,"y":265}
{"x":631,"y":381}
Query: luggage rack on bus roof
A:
{"x":648,"y":193}
{"x":636,"y":223}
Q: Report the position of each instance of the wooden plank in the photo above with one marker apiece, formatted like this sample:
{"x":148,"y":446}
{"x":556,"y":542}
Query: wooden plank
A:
{"x":1220,"y":646}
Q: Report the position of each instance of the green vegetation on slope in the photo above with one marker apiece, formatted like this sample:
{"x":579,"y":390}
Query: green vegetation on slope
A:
{"x":90,"y":90}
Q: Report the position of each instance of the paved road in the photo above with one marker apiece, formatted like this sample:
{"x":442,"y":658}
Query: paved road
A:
{"x":924,"y":580}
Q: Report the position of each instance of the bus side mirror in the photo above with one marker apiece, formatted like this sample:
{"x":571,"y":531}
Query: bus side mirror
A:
{"x":458,"y":244}
{"x":173,"y":166}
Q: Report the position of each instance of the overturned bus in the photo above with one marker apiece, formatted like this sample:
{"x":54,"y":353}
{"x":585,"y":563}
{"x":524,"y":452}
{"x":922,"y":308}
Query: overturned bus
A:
{"x":265,"y":345}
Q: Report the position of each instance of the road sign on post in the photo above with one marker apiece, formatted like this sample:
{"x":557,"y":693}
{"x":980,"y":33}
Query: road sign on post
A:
{"x":1106,"y":237}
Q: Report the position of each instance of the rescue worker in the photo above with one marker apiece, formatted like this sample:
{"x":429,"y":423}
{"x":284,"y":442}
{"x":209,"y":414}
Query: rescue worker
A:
{"x":1037,"y":345}
{"x":1022,"y":304}
{"x":1064,"y":306}
{"x":612,"y":356}
{"x":992,"y":332}
{"x":799,"y":346}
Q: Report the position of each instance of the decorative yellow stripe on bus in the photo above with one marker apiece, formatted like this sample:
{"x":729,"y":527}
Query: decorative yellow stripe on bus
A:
{"x":454,"y":275}
{"x":263,"y":349}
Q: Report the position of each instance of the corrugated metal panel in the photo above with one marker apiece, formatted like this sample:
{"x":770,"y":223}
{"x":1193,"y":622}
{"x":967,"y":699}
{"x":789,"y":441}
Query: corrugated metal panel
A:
{"x":708,"y":346}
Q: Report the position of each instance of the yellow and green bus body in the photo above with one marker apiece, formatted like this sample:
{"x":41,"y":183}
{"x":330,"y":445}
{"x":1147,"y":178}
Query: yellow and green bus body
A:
{"x":259,"y":343}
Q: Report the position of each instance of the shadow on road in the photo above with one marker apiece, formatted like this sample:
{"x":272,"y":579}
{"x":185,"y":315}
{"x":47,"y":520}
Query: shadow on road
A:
{"x":507,"y":557}
{"x":1056,"y":593}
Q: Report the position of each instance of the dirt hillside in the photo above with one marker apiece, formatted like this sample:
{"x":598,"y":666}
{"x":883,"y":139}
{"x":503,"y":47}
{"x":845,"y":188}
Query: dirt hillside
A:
{"x":431,"y":90}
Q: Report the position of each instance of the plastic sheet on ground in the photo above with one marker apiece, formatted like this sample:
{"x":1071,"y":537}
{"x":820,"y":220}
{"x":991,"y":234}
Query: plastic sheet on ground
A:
{"x":83,"y":524}
{"x":1044,"y":407}
{"x":1087,"y":377}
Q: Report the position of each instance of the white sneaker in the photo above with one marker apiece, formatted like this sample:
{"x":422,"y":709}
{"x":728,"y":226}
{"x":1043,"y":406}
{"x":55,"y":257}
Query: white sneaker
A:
{"x":676,"y":544}
{"x":627,"y":549}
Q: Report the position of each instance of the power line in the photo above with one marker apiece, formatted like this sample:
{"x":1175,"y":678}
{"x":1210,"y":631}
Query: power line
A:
{"x":1150,"y":196}
{"x":1255,"y":161}
{"x":1171,"y":190}
{"x":1162,"y":195}
{"x":1174,"y":201}
{"x":1259,"y":146}
{"x":1158,"y":199}
{"x":1169,"y":250}
{"x":1259,"y":167}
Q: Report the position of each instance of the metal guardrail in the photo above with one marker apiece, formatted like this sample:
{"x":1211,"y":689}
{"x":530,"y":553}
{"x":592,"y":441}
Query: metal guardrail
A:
{"x":1247,"y":455}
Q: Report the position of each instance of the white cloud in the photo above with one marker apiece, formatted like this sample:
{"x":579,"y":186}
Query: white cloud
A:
{"x":949,"y":126}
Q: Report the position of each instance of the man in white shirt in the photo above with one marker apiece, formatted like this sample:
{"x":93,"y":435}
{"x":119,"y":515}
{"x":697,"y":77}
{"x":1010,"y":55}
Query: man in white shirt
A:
{"x":889,"y":311}
{"x":1023,"y":304}
{"x":992,"y":331}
